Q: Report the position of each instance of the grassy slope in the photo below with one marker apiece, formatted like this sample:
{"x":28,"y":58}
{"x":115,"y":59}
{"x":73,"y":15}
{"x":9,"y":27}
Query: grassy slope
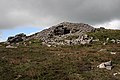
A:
{"x":105,"y":33}
{"x":36,"y":62}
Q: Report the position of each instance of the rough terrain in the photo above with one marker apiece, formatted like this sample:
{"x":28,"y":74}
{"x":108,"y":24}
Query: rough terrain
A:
{"x":31,"y":60}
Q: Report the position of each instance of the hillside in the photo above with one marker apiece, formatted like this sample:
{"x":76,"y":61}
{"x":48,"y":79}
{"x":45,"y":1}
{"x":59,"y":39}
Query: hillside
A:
{"x":105,"y":33}
{"x":30,"y":59}
{"x":60,"y":31}
{"x":64,"y":28}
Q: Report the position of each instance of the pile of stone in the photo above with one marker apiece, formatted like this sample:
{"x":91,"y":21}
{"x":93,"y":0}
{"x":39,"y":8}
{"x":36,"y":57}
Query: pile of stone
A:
{"x":84,"y":39}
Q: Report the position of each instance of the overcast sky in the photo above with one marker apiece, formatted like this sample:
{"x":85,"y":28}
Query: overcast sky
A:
{"x":45,"y":13}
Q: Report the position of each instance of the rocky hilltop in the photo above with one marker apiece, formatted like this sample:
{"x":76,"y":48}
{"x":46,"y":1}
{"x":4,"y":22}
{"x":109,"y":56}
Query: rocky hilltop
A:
{"x":64,"y":28}
{"x":63,"y":33}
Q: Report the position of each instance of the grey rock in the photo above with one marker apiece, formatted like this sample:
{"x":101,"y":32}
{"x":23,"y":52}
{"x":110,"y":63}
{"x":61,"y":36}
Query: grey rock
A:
{"x":17,"y":38}
{"x":117,"y":73}
{"x":118,"y":41}
{"x":65,"y":28}
{"x":106,"y":65}
{"x":113,"y":40}
{"x":109,"y":63}
{"x":102,"y":50}
{"x":102,"y":65}
{"x":113,"y":53}
{"x":56,"y":35}
{"x":9,"y":46}
{"x":107,"y":39}
{"x":95,"y":40}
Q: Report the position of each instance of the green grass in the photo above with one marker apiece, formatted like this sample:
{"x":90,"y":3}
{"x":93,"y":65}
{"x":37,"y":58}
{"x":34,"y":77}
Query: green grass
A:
{"x":107,"y":33}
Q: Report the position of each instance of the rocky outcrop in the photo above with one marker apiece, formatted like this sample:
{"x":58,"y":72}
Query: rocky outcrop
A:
{"x":64,"y":28}
{"x":16,"y":38}
{"x":61,"y":30}
{"x":58,"y":34}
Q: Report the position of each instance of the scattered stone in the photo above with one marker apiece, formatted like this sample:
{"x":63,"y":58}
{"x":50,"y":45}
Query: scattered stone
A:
{"x":83,"y":42}
{"x":102,"y":65}
{"x":30,"y":42}
{"x":118,"y":73}
{"x":104,"y":43}
{"x":18,"y":76}
{"x":107,"y":39}
{"x":113,"y":40}
{"x":86,"y":40}
{"x":68,"y":42}
{"x":43,"y":43}
{"x":9,"y":46}
{"x":85,"y":36}
{"x":3,"y":57}
{"x":101,"y":50}
{"x":118,"y":41}
{"x":106,"y":65}
{"x":115,"y":74}
{"x":95,"y":40}
{"x":49,"y":45}
{"x":58,"y":54}
{"x":17,"y":44}
{"x":113,"y":52}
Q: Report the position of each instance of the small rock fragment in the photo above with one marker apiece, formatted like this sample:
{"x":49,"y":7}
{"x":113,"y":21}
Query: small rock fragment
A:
{"x":112,"y":52}
{"x":102,"y":50}
{"x":116,"y":73}
{"x":9,"y":46}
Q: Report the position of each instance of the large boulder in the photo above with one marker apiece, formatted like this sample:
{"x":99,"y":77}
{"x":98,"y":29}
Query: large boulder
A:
{"x":61,"y":30}
{"x":16,"y":38}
